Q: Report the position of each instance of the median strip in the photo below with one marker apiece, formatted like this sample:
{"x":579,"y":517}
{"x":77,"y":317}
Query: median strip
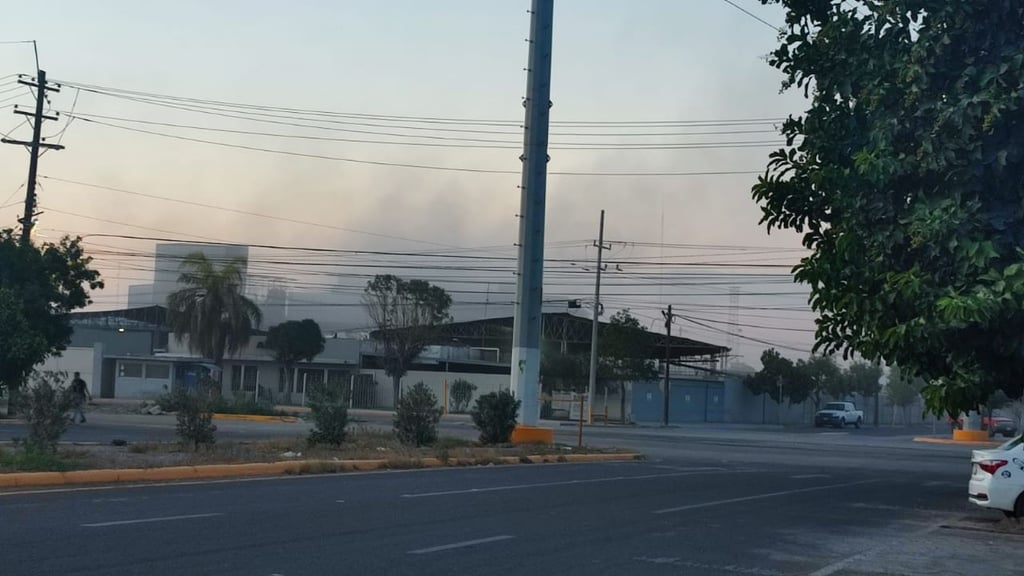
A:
{"x":173,"y":473}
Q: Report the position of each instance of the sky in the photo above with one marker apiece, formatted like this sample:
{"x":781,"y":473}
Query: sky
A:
{"x":645,"y":60}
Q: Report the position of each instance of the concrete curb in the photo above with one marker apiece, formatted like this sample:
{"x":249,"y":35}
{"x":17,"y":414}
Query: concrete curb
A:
{"x":254,"y":418}
{"x":930,"y":440}
{"x":172,"y":473}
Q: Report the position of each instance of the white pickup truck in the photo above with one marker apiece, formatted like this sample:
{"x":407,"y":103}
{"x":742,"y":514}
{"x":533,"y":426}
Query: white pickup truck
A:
{"x":839,"y":415}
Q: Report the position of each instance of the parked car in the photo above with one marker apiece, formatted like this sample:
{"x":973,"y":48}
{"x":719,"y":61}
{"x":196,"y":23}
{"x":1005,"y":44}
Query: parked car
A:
{"x":997,"y":478}
{"x":838,"y":414}
{"x":1006,"y":427}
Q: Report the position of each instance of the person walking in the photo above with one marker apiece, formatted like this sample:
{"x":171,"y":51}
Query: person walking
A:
{"x":79,"y":395}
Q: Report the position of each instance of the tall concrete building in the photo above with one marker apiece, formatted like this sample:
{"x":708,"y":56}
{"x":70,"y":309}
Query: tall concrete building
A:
{"x":167,"y":259}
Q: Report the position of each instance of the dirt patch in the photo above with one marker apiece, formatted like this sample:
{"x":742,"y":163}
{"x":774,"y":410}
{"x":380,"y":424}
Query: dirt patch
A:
{"x":362,"y":445}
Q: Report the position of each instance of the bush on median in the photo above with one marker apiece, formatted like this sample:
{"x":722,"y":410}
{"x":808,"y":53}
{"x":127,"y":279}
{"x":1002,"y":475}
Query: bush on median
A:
{"x":417,"y":416}
{"x":495,"y":415}
{"x":328,"y":408}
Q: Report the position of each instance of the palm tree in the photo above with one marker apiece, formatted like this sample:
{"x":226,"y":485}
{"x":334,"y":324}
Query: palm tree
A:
{"x":210,"y":309}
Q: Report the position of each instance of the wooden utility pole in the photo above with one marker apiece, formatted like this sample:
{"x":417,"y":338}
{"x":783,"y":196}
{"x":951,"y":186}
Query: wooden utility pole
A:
{"x":592,"y":385}
{"x":668,"y":363}
{"x":34,"y":146}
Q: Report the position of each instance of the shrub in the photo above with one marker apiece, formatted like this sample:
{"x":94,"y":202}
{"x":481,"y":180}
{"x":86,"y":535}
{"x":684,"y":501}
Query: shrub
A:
{"x":495,"y":416}
{"x":462,"y":393}
{"x":195,"y":418}
{"x":46,"y":404}
{"x":328,"y":407}
{"x":417,"y":416}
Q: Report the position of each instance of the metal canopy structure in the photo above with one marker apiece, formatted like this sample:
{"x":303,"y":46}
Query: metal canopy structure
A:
{"x":149,"y":317}
{"x":571,"y":333}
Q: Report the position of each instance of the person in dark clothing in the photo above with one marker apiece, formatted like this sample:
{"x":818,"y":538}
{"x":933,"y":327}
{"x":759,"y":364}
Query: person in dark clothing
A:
{"x":79,"y":395}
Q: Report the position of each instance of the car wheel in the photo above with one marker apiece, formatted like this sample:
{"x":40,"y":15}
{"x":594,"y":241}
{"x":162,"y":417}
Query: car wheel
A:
{"x":857,"y":424}
{"x":1018,"y":507}
{"x":842,"y":423}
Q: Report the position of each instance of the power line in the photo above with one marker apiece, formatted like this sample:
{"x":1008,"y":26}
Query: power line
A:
{"x":751,"y":14}
{"x":91,"y":118}
{"x":123,"y":93}
{"x":418,"y":166}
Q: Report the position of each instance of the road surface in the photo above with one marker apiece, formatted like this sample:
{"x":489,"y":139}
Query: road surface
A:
{"x":709,"y":501}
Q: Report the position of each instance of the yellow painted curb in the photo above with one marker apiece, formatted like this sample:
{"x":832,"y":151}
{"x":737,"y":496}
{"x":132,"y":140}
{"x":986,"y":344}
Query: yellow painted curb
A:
{"x":970,"y":435}
{"x":171,"y":473}
{"x":254,"y":418}
{"x":930,"y":440}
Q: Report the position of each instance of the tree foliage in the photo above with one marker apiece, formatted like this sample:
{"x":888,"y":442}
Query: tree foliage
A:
{"x":211,"y":309}
{"x":774,"y":369}
{"x":294,"y":341}
{"x":405,"y":313}
{"x":328,"y":407}
{"x":495,"y":416}
{"x":821,"y":377}
{"x":47,"y":402}
{"x":461,"y":393}
{"x":905,"y":178}
{"x":416,"y":416}
{"x":622,"y":353}
{"x":863,"y":378}
{"x":39,"y":287}
{"x":902,"y":389}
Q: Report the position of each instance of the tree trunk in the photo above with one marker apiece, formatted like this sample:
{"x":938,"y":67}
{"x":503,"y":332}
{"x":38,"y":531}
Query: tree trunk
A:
{"x":396,"y":384}
{"x":622,"y":401}
{"x":289,"y":383}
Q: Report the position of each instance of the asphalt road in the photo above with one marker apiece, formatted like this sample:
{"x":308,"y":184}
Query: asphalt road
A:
{"x":636,"y":518}
{"x":709,"y":501}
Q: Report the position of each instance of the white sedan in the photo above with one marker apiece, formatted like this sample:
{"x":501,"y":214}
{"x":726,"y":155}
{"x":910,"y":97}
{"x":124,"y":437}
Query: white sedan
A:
{"x":997,"y":479}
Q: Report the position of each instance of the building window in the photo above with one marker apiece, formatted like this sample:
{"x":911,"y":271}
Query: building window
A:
{"x":158,"y":371}
{"x":250,"y":376}
{"x":129,"y":369}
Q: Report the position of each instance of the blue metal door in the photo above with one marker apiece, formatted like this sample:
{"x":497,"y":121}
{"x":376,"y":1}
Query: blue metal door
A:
{"x":647,"y":402}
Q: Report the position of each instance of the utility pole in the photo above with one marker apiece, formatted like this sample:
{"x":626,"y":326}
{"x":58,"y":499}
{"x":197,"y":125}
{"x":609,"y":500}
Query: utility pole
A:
{"x":668,"y":359}
{"x":526,"y":335}
{"x":34,"y":146}
{"x":592,"y":387}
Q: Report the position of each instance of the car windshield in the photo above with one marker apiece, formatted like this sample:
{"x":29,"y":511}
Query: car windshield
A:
{"x":835,"y":406}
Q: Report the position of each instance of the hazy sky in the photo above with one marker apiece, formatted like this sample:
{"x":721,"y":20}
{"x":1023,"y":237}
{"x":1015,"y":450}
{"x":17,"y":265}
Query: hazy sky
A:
{"x":613,"y":61}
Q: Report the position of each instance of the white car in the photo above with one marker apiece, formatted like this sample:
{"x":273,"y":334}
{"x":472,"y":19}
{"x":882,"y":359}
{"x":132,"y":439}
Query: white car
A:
{"x":997,"y":478}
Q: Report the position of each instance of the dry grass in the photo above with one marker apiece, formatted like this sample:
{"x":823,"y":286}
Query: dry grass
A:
{"x":363,"y":444}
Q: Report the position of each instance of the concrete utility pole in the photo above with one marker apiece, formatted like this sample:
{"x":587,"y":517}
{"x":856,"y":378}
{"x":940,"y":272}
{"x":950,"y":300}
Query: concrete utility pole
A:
{"x":592,"y":387}
{"x":668,"y":363}
{"x":34,"y":146}
{"x":526,"y":336}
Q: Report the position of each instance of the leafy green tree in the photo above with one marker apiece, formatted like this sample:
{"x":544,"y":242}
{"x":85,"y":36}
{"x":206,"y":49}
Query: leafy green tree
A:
{"x":563,"y":371}
{"x":904,"y":176}
{"x":902,"y":391}
{"x":823,"y":378}
{"x":405,"y":313}
{"x":211,"y":309}
{"x":461,"y":393}
{"x":774,"y":369}
{"x":622,"y":353}
{"x":39,"y":287}
{"x":292,"y":342}
{"x":863,"y":378}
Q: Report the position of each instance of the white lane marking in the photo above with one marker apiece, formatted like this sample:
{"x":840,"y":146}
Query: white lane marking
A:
{"x":463,"y":544}
{"x":560,"y":483}
{"x":340,"y":501}
{"x":690,"y":469}
{"x":758,"y":497}
{"x":806,"y":476}
{"x":148,"y":520}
